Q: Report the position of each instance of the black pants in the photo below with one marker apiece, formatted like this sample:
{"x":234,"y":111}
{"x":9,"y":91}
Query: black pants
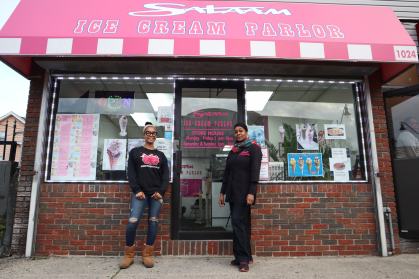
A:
{"x":240,"y":220}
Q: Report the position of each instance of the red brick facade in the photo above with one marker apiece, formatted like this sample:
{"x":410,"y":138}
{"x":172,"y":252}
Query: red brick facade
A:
{"x":288,"y":220}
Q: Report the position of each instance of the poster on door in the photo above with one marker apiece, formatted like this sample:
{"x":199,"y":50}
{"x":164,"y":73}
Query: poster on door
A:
{"x":194,"y":174}
{"x":75,"y":145}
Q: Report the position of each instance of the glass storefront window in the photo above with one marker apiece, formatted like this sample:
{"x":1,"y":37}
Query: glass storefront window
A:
{"x":98,"y":121}
{"x":307,"y":130}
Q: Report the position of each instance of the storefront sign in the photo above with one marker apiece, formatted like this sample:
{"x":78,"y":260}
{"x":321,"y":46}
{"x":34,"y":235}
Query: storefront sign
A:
{"x":208,"y":129}
{"x":114,"y":102}
{"x":206,"y":28}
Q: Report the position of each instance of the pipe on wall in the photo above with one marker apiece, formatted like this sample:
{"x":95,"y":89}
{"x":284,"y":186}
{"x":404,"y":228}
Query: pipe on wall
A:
{"x":36,"y":181}
{"x":378,"y":198}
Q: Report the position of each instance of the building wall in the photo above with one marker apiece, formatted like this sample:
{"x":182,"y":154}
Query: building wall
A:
{"x":288,"y":220}
{"x":19,"y":127}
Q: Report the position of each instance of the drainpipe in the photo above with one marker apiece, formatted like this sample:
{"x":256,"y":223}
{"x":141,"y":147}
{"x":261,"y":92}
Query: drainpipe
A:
{"x":36,"y":181}
{"x":378,"y":198}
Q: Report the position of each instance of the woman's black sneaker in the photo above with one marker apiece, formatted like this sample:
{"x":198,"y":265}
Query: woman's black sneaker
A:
{"x":237,"y":263}
{"x":244,"y":267}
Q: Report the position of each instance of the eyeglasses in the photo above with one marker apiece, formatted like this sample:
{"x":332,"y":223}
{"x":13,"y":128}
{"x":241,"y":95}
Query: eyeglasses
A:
{"x":151,"y":134}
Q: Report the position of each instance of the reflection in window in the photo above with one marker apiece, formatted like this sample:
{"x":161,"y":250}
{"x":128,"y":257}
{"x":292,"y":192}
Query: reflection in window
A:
{"x":308,"y":129}
{"x":404,"y":128}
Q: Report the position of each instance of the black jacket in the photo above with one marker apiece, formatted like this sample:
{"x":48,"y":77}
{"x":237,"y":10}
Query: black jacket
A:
{"x":148,"y":171}
{"x":241,"y":175}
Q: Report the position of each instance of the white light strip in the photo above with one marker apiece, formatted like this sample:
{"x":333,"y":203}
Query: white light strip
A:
{"x":173,"y":129}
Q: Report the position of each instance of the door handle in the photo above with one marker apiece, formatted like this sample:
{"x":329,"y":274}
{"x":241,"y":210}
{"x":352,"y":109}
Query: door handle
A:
{"x":178,"y":161}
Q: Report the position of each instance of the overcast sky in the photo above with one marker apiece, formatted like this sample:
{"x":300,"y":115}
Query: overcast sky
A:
{"x":14,"y":88}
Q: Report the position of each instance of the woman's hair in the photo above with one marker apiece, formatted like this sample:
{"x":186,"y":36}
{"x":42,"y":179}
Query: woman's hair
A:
{"x":148,"y":124}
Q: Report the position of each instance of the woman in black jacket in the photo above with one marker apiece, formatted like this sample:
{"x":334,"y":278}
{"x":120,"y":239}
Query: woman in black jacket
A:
{"x":239,"y":188}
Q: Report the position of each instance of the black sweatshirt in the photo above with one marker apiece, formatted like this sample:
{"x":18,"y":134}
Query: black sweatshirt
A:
{"x":148,"y":171}
{"x":241,"y":175}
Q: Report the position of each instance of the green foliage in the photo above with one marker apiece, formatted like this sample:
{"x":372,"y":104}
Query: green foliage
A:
{"x":273,"y":151}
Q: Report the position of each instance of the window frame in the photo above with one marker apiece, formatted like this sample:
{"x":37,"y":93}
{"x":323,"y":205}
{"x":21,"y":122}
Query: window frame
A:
{"x":357,"y":85}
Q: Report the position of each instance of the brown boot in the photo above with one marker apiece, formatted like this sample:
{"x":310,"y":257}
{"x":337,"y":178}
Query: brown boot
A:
{"x":128,"y":260}
{"x":147,"y":253}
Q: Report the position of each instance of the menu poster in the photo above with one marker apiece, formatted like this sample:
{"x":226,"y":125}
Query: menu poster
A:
{"x":335,"y":131}
{"x":305,"y":164}
{"x":164,"y":116}
{"x":257,"y":134}
{"x":75,"y":145}
{"x":114,"y":159}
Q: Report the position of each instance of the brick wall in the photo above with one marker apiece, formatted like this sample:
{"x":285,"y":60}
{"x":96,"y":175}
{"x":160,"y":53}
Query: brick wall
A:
{"x":20,"y":225}
{"x":384,"y":158}
{"x":92,"y":219}
{"x":314,"y":220}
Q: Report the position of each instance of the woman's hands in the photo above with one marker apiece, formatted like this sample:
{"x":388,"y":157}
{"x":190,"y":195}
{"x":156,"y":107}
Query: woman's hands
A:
{"x":157,"y":196}
{"x":250,"y":199}
{"x":140,"y":195}
{"x":221,"y":200}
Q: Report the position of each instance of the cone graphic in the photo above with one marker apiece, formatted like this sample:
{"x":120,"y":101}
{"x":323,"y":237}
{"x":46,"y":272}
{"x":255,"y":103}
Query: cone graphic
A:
{"x":113,"y":161}
{"x":309,"y":163}
{"x":293,"y":164}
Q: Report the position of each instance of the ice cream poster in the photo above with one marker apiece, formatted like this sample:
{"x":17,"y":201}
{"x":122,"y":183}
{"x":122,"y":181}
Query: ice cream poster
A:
{"x":305,"y":164}
{"x":340,"y":168}
{"x":164,"y":116}
{"x":335,"y":131}
{"x":307,"y":136}
{"x":257,"y":134}
{"x":114,"y":158}
{"x":75,"y":147}
{"x":132,"y":143}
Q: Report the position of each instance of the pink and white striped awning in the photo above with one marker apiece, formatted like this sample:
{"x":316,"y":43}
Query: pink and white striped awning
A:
{"x":204,"y":28}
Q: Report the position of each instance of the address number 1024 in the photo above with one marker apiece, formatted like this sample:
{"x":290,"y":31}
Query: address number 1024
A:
{"x":406,"y":54}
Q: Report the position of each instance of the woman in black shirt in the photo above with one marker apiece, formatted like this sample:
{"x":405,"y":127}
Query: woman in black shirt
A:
{"x":239,"y":188}
{"x":148,"y":175}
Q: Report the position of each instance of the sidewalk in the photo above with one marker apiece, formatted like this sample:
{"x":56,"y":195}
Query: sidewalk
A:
{"x":402,"y":266}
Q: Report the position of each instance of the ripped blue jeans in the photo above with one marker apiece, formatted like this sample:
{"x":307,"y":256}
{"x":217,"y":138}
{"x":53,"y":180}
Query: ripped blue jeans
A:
{"x":137,"y":210}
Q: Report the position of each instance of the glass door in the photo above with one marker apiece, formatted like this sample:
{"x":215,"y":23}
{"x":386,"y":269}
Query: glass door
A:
{"x":205,"y":114}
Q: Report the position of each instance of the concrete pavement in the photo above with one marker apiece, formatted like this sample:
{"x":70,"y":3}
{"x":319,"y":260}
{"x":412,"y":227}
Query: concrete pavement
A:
{"x":401,"y":266}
